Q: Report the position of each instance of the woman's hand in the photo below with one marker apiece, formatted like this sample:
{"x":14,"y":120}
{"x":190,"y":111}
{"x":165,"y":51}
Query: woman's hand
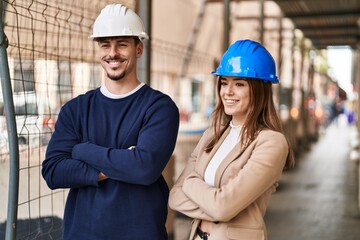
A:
{"x":206,"y":226}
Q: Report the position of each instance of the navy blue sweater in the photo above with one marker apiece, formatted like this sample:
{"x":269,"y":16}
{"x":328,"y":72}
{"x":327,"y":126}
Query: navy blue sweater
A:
{"x":130,"y":140}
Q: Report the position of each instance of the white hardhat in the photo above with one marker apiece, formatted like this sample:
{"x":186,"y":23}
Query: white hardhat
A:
{"x":118,"y":20}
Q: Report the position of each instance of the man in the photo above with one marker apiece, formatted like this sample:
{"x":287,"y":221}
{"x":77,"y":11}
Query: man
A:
{"x":111,"y":144}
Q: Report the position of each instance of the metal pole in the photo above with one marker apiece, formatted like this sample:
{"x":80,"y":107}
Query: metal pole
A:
{"x":192,"y":41}
{"x":356,"y":64}
{"x":12,"y":132}
{"x":226,"y":25}
{"x":262,"y":17}
{"x":280,"y":52}
{"x":144,"y":68}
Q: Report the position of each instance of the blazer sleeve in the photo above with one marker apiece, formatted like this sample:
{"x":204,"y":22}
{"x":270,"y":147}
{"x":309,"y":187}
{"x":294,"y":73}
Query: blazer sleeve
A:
{"x":261,"y":171}
{"x":178,"y":201}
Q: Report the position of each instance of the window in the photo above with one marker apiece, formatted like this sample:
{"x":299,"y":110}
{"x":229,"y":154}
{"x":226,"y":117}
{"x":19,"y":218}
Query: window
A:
{"x":64,"y":81}
{"x":96,"y":74}
{"x":24,"y":76}
{"x":195,"y":95}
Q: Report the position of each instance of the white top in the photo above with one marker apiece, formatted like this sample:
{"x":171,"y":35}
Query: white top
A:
{"x":108,"y":94}
{"x":230,"y":141}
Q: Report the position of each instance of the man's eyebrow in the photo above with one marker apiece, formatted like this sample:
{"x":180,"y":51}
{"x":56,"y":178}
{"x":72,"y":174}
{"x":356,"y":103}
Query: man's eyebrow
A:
{"x":104,"y":40}
{"x":122,"y":40}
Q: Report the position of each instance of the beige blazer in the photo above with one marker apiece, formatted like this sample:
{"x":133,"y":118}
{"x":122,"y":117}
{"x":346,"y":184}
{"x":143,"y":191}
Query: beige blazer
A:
{"x":244,"y":182}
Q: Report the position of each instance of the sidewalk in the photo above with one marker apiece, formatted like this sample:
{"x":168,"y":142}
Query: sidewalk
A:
{"x":318,"y":200}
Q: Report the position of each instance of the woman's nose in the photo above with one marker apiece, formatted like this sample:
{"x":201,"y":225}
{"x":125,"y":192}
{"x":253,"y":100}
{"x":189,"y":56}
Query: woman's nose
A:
{"x":229,"y":90}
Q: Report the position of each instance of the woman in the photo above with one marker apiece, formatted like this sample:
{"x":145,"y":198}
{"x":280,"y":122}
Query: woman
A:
{"x":229,"y":177}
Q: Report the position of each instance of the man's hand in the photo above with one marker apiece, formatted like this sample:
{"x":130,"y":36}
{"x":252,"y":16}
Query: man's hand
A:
{"x":102,"y":177}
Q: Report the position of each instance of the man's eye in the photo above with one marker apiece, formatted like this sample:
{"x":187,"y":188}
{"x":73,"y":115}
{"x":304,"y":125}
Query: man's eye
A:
{"x":121,"y":44}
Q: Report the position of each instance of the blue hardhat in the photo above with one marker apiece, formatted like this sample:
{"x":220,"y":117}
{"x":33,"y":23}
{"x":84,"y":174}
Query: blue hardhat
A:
{"x":248,"y":59}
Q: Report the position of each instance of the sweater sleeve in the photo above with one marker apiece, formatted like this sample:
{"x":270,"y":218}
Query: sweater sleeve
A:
{"x":261,"y":171}
{"x":143,"y":163}
{"x":59,"y":169}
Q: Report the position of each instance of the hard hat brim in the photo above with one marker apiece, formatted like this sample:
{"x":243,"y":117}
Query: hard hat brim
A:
{"x":264,"y":79}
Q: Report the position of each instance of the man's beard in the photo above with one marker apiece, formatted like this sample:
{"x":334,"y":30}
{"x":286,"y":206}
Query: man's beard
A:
{"x":116,"y":77}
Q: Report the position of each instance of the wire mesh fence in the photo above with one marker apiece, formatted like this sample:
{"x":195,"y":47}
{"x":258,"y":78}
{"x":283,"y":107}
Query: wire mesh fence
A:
{"x":51,"y":60}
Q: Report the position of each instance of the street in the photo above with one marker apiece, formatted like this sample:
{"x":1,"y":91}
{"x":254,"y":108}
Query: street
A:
{"x":318,"y":200}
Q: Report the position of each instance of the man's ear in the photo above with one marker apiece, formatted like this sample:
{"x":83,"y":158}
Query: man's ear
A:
{"x":139,"y":49}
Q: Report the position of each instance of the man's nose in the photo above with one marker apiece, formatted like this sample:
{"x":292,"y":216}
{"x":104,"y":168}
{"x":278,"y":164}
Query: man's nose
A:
{"x":112,"y":51}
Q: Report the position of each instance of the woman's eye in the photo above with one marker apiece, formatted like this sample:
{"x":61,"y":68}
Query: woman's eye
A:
{"x":240,"y":84}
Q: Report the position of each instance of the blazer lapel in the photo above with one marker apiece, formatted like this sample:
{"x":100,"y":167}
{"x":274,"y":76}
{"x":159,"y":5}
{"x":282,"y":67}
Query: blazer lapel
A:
{"x":233,"y":154}
{"x":205,"y":158}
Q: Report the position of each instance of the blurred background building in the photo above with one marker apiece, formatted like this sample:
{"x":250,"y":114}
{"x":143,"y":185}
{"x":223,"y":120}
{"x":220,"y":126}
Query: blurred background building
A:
{"x":51,"y":60}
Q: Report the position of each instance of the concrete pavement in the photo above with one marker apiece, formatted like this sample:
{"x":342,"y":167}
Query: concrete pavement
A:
{"x":318,"y":200}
